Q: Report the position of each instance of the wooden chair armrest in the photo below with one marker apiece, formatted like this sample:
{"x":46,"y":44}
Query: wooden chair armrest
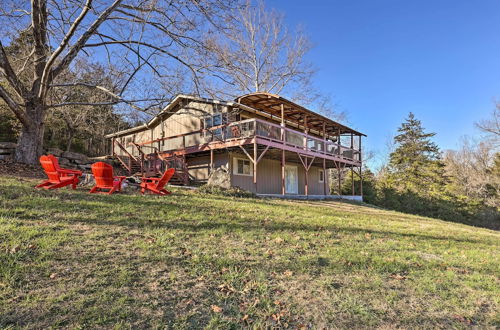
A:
{"x":63,"y":170}
{"x":150,"y":179}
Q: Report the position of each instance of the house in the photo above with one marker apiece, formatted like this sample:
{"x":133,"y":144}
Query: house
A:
{"x":268,"y":144}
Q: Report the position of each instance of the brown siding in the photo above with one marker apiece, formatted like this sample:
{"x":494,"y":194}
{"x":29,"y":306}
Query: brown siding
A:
{"x":186,"y":119}
{"x":269,"y":178}
{"x":199,"y":166}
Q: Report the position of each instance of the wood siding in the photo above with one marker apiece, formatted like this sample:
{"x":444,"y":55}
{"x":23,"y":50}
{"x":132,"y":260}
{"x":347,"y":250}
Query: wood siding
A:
{"x":199,"y":167}
{"x":188,"y":118}
{"x":269,"y":178}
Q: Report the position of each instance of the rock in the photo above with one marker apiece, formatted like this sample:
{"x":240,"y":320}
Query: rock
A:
{"x":81,"y":161}
{"x":8,"y":145}
{"x":55,"y":151}
{"x":6,"y":151}
{"x":75,"y":156}
{"x":87,"y":180}
{"x":220,"y":177}
{"x":64,"y":161}
{"x":84,"y":167}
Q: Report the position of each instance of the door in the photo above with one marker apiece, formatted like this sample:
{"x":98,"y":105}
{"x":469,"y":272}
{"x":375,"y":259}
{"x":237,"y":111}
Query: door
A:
{"x":291,"y":180}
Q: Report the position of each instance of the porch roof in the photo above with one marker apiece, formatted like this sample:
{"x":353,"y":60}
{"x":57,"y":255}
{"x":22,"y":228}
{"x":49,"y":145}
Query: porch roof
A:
{"x":271,"y":104}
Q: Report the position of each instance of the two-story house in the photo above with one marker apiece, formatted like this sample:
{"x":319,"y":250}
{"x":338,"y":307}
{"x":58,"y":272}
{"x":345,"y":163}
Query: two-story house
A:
{"x":268,"y":144}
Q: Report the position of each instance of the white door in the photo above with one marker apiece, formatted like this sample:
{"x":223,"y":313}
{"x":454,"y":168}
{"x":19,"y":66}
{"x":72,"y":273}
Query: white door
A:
{"x":291,"y":180}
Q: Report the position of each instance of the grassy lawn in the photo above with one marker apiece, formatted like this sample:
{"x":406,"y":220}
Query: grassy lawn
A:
{"x":71,"y":259}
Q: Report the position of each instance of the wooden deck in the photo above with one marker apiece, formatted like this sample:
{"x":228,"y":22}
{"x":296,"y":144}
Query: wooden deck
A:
{"x":256,"y":131}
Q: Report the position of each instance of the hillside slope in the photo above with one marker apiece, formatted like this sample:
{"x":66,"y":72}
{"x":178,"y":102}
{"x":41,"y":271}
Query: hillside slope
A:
{"x":72,"y":259}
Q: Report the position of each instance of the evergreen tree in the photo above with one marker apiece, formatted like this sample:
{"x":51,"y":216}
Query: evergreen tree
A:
{"x":415,"y":165}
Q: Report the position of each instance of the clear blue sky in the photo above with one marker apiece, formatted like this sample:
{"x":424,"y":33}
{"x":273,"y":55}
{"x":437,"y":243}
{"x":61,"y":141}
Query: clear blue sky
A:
{"x":380,"y":59}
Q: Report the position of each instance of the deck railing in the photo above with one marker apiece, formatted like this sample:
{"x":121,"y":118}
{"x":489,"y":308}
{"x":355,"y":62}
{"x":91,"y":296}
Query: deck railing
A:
{"x":292,"y":138}
{"x":250,"y":128}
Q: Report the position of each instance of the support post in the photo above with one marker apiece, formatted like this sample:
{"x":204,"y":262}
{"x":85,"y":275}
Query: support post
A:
{"x":324,"y":176}
{"x":283,"y":150}
{"x":360,"y":168}
{"x":339,"y":185}
{"x":255,"y":165}
{"x":352,"y":180}
{"x":283,"y":172}
{"x":211,"y":160}
{"x":324,"y":160}
{"x":306,"y":188}
{"x":360,"y":182}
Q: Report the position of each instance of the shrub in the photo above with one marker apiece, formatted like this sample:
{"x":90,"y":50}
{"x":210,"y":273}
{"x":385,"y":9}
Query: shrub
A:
{"x":230,"y":192}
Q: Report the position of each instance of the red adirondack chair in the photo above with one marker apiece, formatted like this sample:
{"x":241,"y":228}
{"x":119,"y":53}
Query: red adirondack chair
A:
{"x":65,"y":170}
{"x":104,"y":179}
{"x":57,"y":177}
{"x":156,"y":185}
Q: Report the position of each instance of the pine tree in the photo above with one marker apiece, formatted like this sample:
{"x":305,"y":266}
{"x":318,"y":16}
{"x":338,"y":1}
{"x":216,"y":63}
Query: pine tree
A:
{"x":415,"y":165}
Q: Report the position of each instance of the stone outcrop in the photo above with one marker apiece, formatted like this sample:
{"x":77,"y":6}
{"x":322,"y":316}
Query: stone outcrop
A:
{"x":220,"y":177}
{"x":7,"y":150}
{"x":66,"y":158}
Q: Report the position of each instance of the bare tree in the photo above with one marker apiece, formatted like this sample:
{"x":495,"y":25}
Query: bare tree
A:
{"x":470,"y":169}
{"x":259,"y":54}
{"x":134,"y":39}
{"x":491,"y":126}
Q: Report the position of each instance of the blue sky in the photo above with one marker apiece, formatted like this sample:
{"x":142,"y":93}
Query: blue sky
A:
{"x":380,"y":59}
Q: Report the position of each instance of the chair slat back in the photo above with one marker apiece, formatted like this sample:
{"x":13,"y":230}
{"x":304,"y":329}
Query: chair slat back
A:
{"x":55,"y":161}
{"x":103,"y":174}
{"x":50,"y":169}
{"x":167,"y":175}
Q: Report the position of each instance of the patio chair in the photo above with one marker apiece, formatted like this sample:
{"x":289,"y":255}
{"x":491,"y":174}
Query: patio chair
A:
{"x":57,"y":177}
{"x":104,"y":179}
{"x":156,"y":185}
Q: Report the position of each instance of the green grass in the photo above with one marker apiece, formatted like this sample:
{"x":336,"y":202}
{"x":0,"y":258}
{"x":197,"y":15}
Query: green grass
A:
{"x":71,"y":259}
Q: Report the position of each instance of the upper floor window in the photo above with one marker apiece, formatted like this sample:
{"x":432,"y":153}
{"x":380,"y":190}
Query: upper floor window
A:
{"x":214,"y":120}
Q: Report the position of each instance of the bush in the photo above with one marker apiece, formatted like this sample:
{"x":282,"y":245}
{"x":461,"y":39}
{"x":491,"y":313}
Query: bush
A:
{"x":229,"y":192}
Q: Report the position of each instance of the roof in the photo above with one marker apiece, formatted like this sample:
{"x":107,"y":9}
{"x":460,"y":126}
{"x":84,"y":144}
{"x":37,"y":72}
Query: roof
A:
{"x":271,"y":104}
{"x":263,"y":102}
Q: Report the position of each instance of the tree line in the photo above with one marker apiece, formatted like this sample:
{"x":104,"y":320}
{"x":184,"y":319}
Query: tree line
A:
{"x":457,"y":185}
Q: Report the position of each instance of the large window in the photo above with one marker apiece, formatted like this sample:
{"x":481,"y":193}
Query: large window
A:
{"x":242,"y":166}
{"x":213,"y":121}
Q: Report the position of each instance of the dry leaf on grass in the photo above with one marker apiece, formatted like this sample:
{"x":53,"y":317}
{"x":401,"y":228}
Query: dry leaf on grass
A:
{"x":216,"y":309}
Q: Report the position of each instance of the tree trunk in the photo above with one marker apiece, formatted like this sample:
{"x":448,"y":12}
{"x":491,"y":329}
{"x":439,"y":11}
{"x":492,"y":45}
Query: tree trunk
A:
{"x":70,"y":140}
{"x":30,"y":142}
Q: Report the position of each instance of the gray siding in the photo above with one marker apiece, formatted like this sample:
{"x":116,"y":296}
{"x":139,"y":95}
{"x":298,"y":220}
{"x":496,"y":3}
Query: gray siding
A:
{"x":269,"y":178}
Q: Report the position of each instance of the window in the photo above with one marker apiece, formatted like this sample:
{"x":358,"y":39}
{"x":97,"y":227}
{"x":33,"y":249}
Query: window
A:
{"x":242,"y":166}
{"x":212,"y":121}
{"x":321,"y":176}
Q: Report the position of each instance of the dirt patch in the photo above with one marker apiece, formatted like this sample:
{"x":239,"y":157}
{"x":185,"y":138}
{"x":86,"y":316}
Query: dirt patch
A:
{"x":21,"y":170}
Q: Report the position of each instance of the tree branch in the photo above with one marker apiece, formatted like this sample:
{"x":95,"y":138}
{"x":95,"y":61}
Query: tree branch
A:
{"x":61,"y":47}
{"x":8,"y":72}
{"x":20,"y":114}
{"x":70,"y":56}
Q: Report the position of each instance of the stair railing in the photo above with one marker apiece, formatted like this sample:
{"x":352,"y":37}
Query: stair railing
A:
{"x":126,"y":164}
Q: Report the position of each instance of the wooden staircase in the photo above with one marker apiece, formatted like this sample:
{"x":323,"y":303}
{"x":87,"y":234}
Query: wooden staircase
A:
{"x":181,"y":175}
{"x":133,"y":165}
{"x":152,"y":164}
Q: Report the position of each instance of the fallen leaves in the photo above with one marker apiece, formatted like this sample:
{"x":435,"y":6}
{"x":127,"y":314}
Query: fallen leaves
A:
{"x":216,"y":309}
{"x":398,"y":276}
